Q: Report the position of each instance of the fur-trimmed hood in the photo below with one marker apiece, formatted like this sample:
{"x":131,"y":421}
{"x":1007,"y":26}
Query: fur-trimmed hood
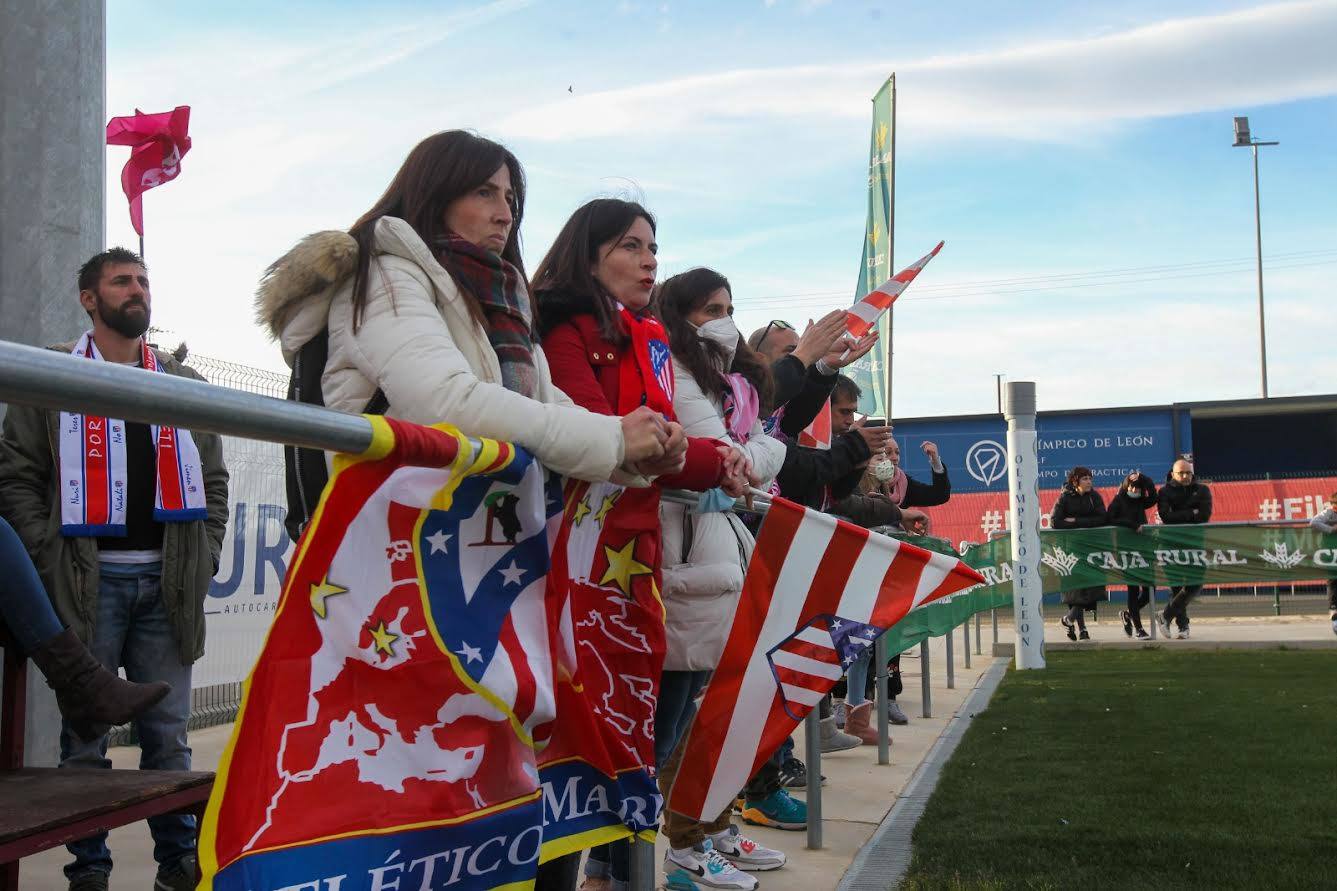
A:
{"x":293,"y":299}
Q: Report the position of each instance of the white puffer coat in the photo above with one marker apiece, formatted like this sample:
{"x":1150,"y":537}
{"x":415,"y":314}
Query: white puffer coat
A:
{"x":706,"y":555}
{"x":418,"y":342}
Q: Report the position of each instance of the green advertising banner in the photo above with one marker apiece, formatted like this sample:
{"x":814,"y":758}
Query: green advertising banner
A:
{"x":940,"y":617}
{"x":870,"y":372}
{"x":1155,"y":555}
{"x":1166,"y":555}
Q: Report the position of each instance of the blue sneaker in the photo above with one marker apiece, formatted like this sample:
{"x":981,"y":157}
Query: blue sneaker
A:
{"x":778,"y":810}
{"x":703,"y":865}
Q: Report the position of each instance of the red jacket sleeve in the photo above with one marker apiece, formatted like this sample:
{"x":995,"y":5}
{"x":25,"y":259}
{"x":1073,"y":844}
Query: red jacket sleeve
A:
{"x":703,"y":469}
{"x":571,"y":370}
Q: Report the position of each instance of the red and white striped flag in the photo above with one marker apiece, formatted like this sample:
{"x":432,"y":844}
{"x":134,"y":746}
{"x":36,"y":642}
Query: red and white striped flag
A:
{"x":818,"y":590}
{"x":860,"y":318}
{"x":817,"y":435}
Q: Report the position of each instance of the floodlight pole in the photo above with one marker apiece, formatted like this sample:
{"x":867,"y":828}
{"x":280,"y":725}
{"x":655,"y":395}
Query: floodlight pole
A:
{"x":1244,"y":140}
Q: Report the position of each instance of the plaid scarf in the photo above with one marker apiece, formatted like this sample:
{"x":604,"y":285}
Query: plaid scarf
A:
{"x":500,"y":292}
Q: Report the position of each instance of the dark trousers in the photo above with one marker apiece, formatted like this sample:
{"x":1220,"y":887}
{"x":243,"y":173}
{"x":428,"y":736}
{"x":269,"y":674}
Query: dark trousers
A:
{"x":766,"y":781}
{"x":1177,"y":608}
{"x":1138,"y":597}
{"x":1077,"y":615}
{"x":1332,"y":594}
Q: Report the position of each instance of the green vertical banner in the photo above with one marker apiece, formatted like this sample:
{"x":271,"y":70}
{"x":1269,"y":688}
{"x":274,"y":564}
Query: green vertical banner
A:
{"x":870,"y":372}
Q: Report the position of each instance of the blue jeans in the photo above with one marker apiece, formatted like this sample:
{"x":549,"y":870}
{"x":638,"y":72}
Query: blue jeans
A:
{"x":856,"y":678}
{"x":132,"y":630}
{"x":674,"y":712}
{"x":23,"y":601}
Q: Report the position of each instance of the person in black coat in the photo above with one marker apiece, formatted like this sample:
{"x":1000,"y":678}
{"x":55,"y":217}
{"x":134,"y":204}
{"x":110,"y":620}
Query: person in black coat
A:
{"x":1079,"y":507}
{"x":1128,"y":508}
{"x":1182,"y":500}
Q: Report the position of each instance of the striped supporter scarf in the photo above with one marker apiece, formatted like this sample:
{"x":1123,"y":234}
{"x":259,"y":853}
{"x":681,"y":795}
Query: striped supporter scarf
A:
{"x":505,"y":303}
{"x":93,"y":468}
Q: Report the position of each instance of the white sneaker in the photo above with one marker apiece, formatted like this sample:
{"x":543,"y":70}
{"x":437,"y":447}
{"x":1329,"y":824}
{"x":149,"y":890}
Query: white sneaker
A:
{"x":1181,"y":634}
{"x":706,"y":867}
{"x":1163,"y":627}
{"x":745,"y":853}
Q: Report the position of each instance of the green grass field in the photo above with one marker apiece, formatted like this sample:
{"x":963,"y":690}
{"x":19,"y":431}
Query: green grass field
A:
{"x":1143,"y":769}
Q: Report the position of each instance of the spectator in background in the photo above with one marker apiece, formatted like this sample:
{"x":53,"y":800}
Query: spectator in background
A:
{"x":886,"y":477}
{"x":885,"y":480}
{"x":1182,"y":500}
{"x":129,"y":578}
{"x":1079,"y":507}
{"x":804,"y":368}
{"x":1128,"y":508}
{"x":1326,"y":523}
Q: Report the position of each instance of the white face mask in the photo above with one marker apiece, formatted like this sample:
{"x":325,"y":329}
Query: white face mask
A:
{"x":1134,"y":493}
{"x":722,"y":332}
{"x":884,"y":470}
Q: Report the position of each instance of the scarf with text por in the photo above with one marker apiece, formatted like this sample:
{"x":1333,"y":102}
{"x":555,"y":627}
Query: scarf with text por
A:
{"x":93,"y":478}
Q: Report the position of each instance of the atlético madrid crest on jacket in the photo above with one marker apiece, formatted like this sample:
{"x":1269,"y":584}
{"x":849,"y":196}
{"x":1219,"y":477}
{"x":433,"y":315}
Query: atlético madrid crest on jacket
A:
{"x":392,"y":729}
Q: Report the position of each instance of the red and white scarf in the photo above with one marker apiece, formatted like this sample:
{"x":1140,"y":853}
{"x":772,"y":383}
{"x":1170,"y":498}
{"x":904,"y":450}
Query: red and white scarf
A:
{"x":93,"y":468}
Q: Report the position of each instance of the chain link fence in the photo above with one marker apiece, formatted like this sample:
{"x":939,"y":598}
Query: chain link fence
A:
{"x":236,"y":630}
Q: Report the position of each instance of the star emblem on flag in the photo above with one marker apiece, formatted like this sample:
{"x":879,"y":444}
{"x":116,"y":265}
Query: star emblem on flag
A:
{"x":810,"y":660}
{"x":623,"y":566}
{"x":383,"y":638}
{"x":320,"y":592}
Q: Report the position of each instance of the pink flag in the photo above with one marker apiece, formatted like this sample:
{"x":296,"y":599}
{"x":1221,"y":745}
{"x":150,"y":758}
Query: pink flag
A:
{"x":818,"y":592}
{"x":157,"y":142}
{"x":861,"y":317}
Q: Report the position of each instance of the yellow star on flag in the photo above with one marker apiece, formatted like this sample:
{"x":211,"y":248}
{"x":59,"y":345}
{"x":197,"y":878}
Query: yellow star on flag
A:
{"x":882,"y":130}
{"x":582,"y":510}
{"x":623,"y":566}
{"x":604,"y":508}
{"x":320,"y":591}
{"x":875,"y":234}
{"x":383,"y":637}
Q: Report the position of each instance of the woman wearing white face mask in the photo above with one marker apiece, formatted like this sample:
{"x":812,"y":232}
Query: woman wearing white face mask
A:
{"x":720,"y":386}
{"x":1128,"y":508}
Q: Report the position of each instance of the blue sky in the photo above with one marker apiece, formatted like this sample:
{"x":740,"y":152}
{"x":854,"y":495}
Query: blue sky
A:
{"x":1076,"y":160}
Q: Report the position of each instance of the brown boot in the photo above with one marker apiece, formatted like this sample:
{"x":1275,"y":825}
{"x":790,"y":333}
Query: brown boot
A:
{"x":90,"y":697}
{"x":856,"y":723}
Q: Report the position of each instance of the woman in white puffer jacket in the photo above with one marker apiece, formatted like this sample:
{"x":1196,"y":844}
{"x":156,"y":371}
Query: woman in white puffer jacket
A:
{"x":425,"y":301}
{"x":720,"y":386}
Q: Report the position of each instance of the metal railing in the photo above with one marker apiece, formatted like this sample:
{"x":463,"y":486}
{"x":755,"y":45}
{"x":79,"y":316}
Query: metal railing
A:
{"x":248,"y":407}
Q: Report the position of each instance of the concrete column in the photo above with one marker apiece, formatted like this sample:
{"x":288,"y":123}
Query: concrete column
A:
{"x":1023,"y":486}
{"x":52,"y":157}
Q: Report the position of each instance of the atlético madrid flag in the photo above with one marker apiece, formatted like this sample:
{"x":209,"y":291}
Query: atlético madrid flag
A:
{"x":393,"y":729}
{"x":158,"y":142}
{"x":861,"y":317}
{"x":817,"y":593}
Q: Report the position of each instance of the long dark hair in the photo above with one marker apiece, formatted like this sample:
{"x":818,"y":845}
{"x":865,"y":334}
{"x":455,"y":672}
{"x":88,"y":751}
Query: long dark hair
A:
{"x":1139,"y":481}
{"x":676,"y":299}
{"x":441,"y":168}
{"x":567,"y":271}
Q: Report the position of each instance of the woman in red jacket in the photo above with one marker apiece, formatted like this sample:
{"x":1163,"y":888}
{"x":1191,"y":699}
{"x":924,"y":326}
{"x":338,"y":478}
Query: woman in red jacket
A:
{"x":610,"y":355}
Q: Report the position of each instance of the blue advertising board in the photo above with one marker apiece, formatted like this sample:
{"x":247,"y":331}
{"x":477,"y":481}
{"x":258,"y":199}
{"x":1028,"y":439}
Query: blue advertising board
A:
{"x":1112,"y":444}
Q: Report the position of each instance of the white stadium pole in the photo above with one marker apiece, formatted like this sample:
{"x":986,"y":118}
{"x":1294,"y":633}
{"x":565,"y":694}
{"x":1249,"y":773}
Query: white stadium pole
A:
{"x":1023,"y":489}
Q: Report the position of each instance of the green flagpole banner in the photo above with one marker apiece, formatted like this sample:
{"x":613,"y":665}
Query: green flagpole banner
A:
{"x":1165,"y":556}
{"x":870,"y":372}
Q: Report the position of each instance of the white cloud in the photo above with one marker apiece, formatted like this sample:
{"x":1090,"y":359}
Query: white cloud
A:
{"x":1048,"y":90}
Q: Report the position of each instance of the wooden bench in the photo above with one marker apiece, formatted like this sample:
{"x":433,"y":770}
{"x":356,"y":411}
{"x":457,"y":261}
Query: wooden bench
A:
{"x":45,"y":807}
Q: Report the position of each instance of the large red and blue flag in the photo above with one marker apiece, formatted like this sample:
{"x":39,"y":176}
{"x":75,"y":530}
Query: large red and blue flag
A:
{"x":395,"y":728}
